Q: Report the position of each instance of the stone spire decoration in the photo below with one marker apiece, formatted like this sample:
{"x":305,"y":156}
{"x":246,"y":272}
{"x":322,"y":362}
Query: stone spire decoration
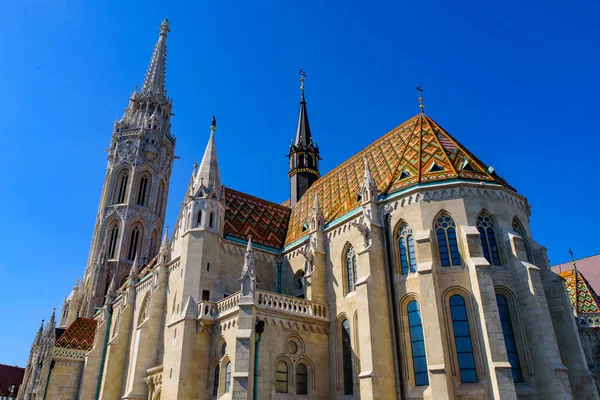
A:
{"x":369,"y":187}
{"x":154,"y":84}
{"x":164,"y":248}
{"x":303,"y":154}
{"x":208,"y":178}
{"x":111,"y":293}
{"x":248,"y":277}
{"x":134,"y":273}
{"x":316,"y":220}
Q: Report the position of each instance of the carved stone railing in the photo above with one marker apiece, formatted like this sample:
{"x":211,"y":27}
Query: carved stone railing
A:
{"x":210,"y":310}
{"x":73,"y":354}
{"x":589,"y":320}
{"x":291,"y":305}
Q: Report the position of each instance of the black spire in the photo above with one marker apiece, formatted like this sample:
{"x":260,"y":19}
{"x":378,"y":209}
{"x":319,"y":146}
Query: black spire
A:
{"x":303,"y":155}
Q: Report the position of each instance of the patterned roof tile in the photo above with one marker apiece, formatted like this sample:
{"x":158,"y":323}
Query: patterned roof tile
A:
{"x":418,"y":151}
{"x":248,"y":215}
{"x":587,"y":300}
{"x":79,"y":335}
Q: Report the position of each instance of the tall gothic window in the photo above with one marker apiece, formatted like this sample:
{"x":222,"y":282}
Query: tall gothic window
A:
{"x":228,"y":377}
{"x":199,"y":218}
{"x":159,"y":198}
{"x":301,"y":379}
{"x":347,"y":358}
{"x":153,"y":242}
{"x":216,"y":382}
{"x":417,"y":344}
{"x":406,"y":245}
{"x":462,"y":339}
{"x":519,"y":230}
{"x":509,"y":338}
{"x":445,"y":229}
{"x":121,"y":187}
{"x":485,"y":226}
{"x":281,"y":384}
{"x":143,"y":190}
{"x":211,"y":220}
{"x":133,"y":243}
{"x":350,"y":268}
{"x":112,"y":240}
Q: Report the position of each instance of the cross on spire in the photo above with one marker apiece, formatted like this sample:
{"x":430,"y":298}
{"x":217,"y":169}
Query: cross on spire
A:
{"x":302,"y":78}
{"x":421,"y":106}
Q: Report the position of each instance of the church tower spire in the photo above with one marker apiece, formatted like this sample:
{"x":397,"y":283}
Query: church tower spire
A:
{"x":304,"y":154}
{"x":132,"y":208}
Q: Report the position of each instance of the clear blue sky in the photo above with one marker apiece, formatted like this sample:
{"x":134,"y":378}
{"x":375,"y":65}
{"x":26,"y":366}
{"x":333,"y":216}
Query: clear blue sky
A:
{"x":514,"y":81}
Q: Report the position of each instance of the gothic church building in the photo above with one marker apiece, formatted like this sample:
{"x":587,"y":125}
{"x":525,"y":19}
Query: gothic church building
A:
{"x":407,"y":272}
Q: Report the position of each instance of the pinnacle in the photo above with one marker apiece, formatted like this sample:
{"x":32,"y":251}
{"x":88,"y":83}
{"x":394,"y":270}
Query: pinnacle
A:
{"x":154,"y":83}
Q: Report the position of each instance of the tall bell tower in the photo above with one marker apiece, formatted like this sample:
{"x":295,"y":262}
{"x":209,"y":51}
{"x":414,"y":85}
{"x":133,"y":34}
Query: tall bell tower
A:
{"x":303,"y":155}
{"x":132,"y":207}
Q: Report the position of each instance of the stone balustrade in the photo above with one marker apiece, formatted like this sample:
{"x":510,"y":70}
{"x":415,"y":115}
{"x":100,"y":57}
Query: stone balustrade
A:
{"x":589,"y":320}
{"x":210,"y":310}
{"x":291,"y":305}
{"x":73,"y":354}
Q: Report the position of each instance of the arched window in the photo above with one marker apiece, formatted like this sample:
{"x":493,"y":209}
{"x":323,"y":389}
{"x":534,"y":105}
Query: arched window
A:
{"x":199,"y":218}
{"x":509,"y":338}
{"x":216,"y":382}
{"x":211,"y":220}
{"x":445,"y":229}
{"x":485,"y":226}
{"x":153,"y":241}
{"x":417,"y":344}
{"x":347,"y":358}
{"x":159,"y":198}
{"x":134,"y":242}
{"x":144,"y":309}
{"x":350,"y":268}
{"x":121,"y":187}
{"x":519,"y":230}
{"x":112,"y":239}
{"x":143,"y":190}
{"x":462,"y":339}
{"x":228,"y":377}
{"x":281,"y":384}
{"x":406,"y":245}
{"x":301,"y":379}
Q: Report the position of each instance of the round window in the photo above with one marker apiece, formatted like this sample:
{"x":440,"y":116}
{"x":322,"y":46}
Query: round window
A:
{"x":292,"y":347}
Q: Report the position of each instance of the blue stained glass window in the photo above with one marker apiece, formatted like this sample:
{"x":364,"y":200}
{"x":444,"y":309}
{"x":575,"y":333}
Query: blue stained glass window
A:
{"x":485,"y":226}
{"x":445,"y":229}
{"x":462,"y":338}
{"x":417,"y":343}
{"x":509,"y":338}
{"x":406,"y":244}
{"x":347,"y":358}
{"x":351,"y":268}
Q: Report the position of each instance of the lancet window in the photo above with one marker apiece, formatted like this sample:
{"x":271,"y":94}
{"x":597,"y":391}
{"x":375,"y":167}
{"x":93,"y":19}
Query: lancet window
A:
{"x":485,"y":226}
{"x":112,"y":239}
{"x":445,"y":229}
{"x":519,"y":230}
{"x":143,"y":190}
{"x":350,"y":268}
{"x":301,"y":379}
{"x":462,"y":339}
{"x":121,"y":187}
{"x":417,"y":344}
{"x":347,"y":358}
{"x":406,"y":247}
{"x":509,"y":338}
{"x":134,"y":242}
{"x":281,"y":384}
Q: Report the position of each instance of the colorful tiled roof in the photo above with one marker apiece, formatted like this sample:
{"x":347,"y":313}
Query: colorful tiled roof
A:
{"x":418,"y":151}
{"x":79,"y":335}
{"x":587,"y":300}
{"x":248,"y":215}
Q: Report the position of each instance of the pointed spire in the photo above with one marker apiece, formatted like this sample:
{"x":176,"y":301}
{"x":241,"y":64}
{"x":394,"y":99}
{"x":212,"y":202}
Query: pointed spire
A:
{"x":134,"y":272}
{"x":208,"y":173}
{"x":249,"y":247}
{"x":303,"y":135}
{"x":112,"y":290}
{"x":369,"y":188}
{"x":316,"y":206}
{"x":102,"y":254}
{"x":155,"y":77}
{"x":165,"y":241}
{"x":52,"y":322}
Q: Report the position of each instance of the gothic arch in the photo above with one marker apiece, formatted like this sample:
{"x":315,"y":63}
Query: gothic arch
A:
{"x":519,"y":229}
{"x":143,"y":188}
{"x":144,"y":309}
{"x":447,"y":243}
{"x":349,"y":265}
{"x":160,"y":198}
{"x":489,"y":233}
{"x":112,"y":234}
{"x":120,"y":185}
{"x":405,"y":249}
{"x":311,"y":371}
{"x":135,"y":243}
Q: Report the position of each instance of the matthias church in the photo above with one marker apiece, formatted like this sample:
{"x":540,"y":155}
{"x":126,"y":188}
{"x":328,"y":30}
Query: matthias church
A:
{"x":407,"y":272}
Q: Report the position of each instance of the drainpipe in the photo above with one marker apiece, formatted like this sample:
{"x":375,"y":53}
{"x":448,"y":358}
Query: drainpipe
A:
{"x":104,"y":352}
{"x":260,"y":328}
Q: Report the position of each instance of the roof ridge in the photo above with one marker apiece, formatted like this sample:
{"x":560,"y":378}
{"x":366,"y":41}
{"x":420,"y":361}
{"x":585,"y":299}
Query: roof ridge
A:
{"x":257,"y":198}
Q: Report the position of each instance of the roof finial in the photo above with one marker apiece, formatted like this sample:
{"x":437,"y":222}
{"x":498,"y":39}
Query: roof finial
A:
{"x":421,"y":106}
{"x":302,"y":77}
{"x":164,"y":27}
{"x":213,"y":126}
{"x":572,"y":259}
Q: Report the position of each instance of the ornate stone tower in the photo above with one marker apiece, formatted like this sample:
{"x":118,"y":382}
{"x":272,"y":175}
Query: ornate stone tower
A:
{"x":132,"y":207}
{"x":303,"y":155}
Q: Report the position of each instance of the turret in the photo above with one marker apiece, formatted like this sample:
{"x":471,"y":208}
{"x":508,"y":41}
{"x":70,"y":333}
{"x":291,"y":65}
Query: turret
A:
{"x":303,"y":154}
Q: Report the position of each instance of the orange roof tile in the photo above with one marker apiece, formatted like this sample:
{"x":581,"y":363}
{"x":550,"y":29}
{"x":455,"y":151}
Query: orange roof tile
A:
{"x":79,"y":335}
{"x":418,"y":151}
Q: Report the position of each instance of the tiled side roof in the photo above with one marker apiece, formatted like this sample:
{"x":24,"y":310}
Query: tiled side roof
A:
{"x":79,"y":335}
{"x":587,"y":300}
{"x":248,"y":215}
{"x":418,"y":151}
{"x":10,"y":375}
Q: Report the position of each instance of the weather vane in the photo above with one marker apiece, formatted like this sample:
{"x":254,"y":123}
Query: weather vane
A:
{"x":302,"y":77}
{"x":421,"y":106}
